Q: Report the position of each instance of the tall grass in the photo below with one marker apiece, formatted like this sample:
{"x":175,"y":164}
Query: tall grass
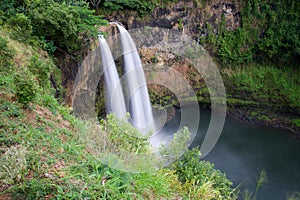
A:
{"x":267,"y":83}
{"x":261,"y":179}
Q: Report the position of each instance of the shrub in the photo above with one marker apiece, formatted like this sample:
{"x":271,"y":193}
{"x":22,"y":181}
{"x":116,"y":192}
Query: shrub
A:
{"x":66,"y":26}
{"x":22,"y":27}
{"x":124,"y":136}
{"x":26,"y":88}
{"x":41,"y":69}
{"x":194,"y":173}
{"x":296,"y":122}
{"x":8,"y":8}
{"x":279,"y":39}
{"x":177,"y":146}
{"x":6,"y":55}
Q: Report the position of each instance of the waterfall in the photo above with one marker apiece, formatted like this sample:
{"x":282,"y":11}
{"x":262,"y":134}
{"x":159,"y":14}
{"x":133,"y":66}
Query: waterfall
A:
{"x":139,"y":101}
{"x":136,"y":96}
{"x":115,"y":102}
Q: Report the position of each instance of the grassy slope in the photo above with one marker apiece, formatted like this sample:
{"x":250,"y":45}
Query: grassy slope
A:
{"x":264,"y":93}
{"x":43,"y":155}
{"x":44,"y":159}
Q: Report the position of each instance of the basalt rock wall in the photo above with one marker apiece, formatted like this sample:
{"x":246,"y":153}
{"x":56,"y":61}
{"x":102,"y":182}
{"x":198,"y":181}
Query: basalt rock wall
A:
{"x":191,"y":17}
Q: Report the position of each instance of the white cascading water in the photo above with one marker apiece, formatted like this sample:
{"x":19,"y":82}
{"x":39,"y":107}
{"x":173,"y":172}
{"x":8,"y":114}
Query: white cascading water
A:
{"x":137,"y":99}
{"x":115,"y":102}
{"x":139,"y":102}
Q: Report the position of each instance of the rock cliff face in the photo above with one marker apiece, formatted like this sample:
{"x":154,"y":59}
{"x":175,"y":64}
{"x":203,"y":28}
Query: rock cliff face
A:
{"x":69,"y":67}
{"x":189,"y":16}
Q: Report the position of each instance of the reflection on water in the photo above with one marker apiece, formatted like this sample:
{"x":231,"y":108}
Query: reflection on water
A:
{"x":244,"y":150}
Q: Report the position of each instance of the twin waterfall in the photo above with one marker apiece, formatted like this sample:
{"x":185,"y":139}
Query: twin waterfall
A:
{"x":131,"y":94}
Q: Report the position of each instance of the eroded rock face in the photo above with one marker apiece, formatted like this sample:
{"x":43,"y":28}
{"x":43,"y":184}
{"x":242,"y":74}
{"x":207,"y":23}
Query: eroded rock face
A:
{"x":69,"y":67}
{"x":186,"y":16}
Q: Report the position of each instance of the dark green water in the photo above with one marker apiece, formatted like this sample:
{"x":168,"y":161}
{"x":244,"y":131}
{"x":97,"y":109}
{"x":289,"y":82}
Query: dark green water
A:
{"x":244,"y":150}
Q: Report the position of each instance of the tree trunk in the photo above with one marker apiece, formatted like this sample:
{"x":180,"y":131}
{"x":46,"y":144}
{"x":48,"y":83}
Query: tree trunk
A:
{"x":97,"y":9}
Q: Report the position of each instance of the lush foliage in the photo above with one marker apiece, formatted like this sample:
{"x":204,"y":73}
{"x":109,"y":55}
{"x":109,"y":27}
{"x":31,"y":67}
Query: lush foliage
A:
{"x":25,"y":72}
{"x":259,"y":60}
{"x":264,"y":93}
{"x":6,"y":55}
{"x":202,"y":180}
{"x":177,"y":146}
{"x":55,"y":24}
{"x":124,"y":136}
{"x":26,"y":88}
{"x":269,"y":33}
{"x":54,"y":163}
{"x":276,"y":88}
{"x":142,"y":7}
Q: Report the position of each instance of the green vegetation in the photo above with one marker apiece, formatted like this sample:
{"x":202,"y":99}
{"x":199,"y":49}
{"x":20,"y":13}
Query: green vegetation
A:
{"x":47,"y":153}
{"x":296,"y":122}
{"x":6,"y":55}
{"x":259,"y":60}
{"x":142,"y":7}
{"x":52,"y":162}
{"x":261,"y":180}
{"x":131,"y":142}
{"x":26,"y":89}
{"x":264,"y":93}
{"x":295,"y":196}
{"x":50,"y":24}
{"x":269,"y":33}
{"x":278,"y":88}
{"x":201,"y":179}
